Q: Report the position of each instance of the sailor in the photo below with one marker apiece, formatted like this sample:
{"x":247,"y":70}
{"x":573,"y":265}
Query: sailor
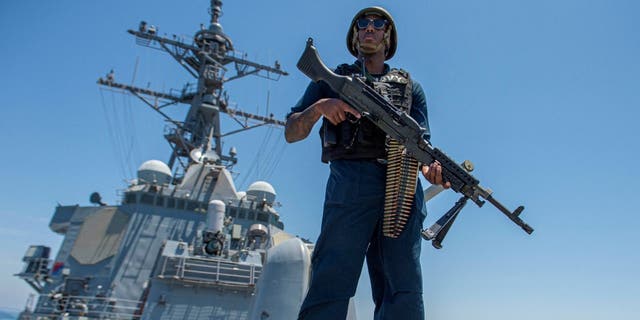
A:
{"x":352,"y":222}
{"x":110,"y":76}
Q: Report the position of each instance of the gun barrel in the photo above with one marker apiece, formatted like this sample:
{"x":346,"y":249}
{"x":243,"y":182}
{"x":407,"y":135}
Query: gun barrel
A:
{"x":511,"y":215}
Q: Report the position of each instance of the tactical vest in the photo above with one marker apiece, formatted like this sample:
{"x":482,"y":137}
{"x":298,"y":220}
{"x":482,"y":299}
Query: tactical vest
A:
{"x":363,"y":139}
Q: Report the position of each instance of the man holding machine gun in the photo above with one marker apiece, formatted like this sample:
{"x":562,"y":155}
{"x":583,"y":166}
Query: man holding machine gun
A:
{"x":374,"y":202}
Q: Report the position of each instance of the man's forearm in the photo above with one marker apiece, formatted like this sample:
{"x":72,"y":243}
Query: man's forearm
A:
{"x":300,"y":124}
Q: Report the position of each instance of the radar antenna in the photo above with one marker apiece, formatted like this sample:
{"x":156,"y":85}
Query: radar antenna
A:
{"x":207,"y":59}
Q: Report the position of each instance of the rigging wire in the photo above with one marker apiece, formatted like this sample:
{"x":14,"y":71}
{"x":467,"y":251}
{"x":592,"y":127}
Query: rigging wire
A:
{"x":120,"y":134}
{"x":121,"y":130}
{"x":277,"y":146}
{"x":255,"y":164}
{"x":262,"y":153}
{"x":111,"y":134}
{"x":133,"y":154}
{"x":277,"y":157}
{"x":267,"y":157}
{"x":268,"y":160}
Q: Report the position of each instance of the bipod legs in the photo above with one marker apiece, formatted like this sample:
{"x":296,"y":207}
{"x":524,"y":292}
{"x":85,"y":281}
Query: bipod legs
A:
{"x":438,"y":230}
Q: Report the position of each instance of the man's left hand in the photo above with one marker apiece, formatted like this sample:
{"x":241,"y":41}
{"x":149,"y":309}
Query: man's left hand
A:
{"x":433,"y":174}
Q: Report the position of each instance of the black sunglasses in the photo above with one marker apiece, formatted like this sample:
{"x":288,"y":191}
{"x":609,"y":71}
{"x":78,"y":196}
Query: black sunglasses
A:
{"x":378,"y":23}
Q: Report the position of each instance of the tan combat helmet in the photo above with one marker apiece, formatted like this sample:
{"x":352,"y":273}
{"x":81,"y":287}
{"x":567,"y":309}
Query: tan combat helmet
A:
{"x":390,"y":37}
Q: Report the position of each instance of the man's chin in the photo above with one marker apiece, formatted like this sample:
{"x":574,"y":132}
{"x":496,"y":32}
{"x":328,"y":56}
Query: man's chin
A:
{"x":368,"y":48}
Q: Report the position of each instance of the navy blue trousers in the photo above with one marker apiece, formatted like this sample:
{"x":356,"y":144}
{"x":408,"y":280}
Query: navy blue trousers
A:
{"x":351,"y":231}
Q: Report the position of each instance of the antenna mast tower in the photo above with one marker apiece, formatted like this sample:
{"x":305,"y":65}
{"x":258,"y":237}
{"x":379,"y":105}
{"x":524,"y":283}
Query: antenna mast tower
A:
{"x":208,"y":59}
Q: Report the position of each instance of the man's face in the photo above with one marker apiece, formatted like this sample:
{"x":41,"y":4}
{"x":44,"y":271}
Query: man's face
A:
{"x":370,"y":36}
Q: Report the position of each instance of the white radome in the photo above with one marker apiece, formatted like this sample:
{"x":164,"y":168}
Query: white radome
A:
{"x":154,"y":171}
{"x":262,"y":190}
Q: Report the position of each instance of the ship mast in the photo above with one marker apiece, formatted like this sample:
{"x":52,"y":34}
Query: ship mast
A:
{"x":209,"y":59}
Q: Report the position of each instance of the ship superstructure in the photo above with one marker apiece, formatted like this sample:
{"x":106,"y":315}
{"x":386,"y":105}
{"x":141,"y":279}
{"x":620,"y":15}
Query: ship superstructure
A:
{"x":183,"y":243}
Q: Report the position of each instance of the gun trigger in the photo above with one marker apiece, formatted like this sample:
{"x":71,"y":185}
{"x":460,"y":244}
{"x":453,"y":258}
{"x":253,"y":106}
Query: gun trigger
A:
{"x":351,"y":118}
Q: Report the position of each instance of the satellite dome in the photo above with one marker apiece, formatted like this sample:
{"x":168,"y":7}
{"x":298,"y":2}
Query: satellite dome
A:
{"x":258,"y":229}
{"x":154,"y":171}
{"x":262,"y":190}
{"x":216,"y":28}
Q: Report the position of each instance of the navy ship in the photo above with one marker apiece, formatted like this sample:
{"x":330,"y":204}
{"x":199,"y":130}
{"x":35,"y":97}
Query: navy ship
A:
{"x":183,"y":243}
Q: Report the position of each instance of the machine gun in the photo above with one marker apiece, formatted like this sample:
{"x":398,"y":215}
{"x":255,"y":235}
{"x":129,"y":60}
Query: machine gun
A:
{"x":400,"y":126}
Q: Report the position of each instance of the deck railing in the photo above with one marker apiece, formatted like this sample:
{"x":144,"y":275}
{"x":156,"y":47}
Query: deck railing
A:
{"x":60,"y":306}
{"x":212,"y":271}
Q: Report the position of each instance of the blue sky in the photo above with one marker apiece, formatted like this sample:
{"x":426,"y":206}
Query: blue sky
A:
{"x":542,"y":96}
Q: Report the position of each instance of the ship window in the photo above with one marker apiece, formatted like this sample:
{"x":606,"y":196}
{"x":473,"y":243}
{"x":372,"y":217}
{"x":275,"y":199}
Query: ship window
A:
{"x":263,"y":216}
{"x":192,"y":205}
{"x":159,"y":201}
{"x":251,"y":216}
{"x":180,"y":204}
{"x":146,"y":198}
{"x":130,"y":198}
{"x":232,"y":212}
{"x":242,"y":214}
{"x":171,"y":203}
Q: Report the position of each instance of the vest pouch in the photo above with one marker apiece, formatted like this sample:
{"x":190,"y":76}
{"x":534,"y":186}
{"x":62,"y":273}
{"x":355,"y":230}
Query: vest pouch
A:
{"x":329,"y":134}
{"x":370,"y":135}
{"x":347,"y":134}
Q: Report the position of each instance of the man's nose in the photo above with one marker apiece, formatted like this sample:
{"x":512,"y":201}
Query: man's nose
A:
{"x":370,"y":27}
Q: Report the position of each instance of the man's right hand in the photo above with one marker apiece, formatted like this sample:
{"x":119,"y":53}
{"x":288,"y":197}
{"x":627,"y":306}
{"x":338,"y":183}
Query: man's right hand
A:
{"x":335,"y":110}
